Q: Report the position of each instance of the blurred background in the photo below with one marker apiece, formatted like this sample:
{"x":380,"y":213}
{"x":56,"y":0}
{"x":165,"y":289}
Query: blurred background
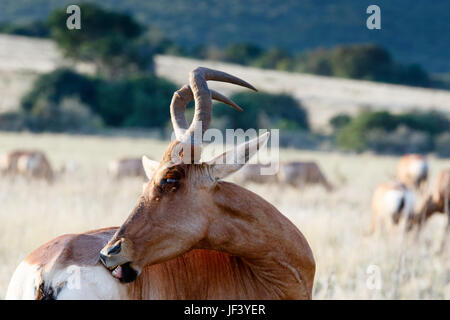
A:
{"x":349,"y":98}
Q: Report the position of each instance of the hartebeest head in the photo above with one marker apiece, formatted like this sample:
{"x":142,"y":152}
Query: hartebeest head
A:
{"x":181,"y":201}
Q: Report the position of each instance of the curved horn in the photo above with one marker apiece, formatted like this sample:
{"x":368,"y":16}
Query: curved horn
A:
{"x":203,"y":96}
{"x":185,"y":94}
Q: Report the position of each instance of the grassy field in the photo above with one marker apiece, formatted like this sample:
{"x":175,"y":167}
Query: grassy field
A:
{"x":32,"y":212}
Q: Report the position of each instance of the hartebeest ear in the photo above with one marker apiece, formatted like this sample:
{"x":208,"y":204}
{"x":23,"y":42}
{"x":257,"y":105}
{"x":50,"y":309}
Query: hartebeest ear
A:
{"x":149,"y":166}
{"x":232,"y":160}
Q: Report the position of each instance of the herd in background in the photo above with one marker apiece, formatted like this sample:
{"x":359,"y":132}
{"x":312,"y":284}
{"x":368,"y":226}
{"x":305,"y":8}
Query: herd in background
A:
{"x":407,"y":201}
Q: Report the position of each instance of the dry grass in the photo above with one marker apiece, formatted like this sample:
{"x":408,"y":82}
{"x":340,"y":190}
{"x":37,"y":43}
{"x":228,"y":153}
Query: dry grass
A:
{"x":34,"y":212}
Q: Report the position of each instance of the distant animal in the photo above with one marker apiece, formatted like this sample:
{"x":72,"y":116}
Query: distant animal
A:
{"x":27,"y":163}
{"x":191,"y":235}
{"x":301,"y":174}
{"x":437,"y":200}
{"x":412,"y":170}
{"x":297,"y":174}
{"x":126,"y":167}
{"x":8,"y":161}
{"x":252,"y":173}
{"x":392,"y":204}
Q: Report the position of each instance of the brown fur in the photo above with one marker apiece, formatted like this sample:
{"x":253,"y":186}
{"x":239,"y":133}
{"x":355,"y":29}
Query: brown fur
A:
{"x":300,"y":174}
{"x":199,"y":213}
{"x":437,"y":200}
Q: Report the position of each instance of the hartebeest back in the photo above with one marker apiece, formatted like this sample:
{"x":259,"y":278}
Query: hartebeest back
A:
{"x":190,"y":235}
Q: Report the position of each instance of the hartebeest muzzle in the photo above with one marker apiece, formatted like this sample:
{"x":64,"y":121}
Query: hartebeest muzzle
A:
{"x":119,"y":264}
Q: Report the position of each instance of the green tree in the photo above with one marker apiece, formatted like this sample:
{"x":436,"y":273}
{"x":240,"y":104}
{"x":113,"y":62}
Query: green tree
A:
{"x":242,"y":53}
{"x":107,"y":38}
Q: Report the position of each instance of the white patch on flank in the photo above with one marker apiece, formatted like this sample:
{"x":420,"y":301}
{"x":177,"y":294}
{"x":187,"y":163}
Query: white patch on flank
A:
{"x":392,"y":201}
{"x":95,"y":282}
{"x":22,"y":285}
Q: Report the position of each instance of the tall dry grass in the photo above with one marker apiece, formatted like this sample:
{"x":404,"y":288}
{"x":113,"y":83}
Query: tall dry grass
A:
{"x":33,"y":212}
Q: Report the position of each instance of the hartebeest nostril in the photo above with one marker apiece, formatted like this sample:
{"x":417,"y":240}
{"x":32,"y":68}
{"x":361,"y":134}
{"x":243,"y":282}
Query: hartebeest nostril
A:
{"x":102,"y":258}
{"x":115,"y":249}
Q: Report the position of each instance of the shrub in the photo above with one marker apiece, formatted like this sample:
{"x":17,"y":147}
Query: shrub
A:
{"x":443,"y":145}
{"x":264,"y":110}
{"x":33,"y":29}
{"x":400,"y":141}
{"x":56,"y":85}
{"x":242,"y":53}
{"x":12,"y":121}
{"x":274,"y":58}
{"x":68,"y":116}
{"x":139,"y":101}
{"x":339,"y":121}
{"x":366,"y":129}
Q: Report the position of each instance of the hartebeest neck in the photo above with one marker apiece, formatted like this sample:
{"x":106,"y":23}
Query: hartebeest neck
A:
{"x":247,"y":226}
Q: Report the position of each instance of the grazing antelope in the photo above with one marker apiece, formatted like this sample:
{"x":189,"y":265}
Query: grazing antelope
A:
{"x":191,"y":235}
{"x":299,"y":174}
{"x":252,"y":173}
{"x":126,"y":167}
{"x":31,"y":164}
{"x":392,"y":204}
{"x":437,"y":200}
{"x":412,"y":170}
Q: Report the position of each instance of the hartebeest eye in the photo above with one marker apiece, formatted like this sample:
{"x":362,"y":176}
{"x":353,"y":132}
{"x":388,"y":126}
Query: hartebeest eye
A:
{"x":168,"y":181}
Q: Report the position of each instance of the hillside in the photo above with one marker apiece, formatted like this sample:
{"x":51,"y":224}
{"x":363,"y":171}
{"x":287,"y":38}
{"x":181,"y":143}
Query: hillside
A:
{"x":415,"y":32}
{"x":23,"y":58}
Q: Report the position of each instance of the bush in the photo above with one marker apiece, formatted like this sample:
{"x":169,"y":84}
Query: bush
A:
{"x":400,"y":141}
{"x":339,"y":121}
{"x":135,"y":102}
{"x":242,"y":53}
{"x":274,"y":58}
{"x":140,"y":101}
{"x":54,"y":86}
{"x":264,"y":110}
{"x":368,"y":128}
{"x":33,"y":29}
{"x":443,"y":145}
{"x":12,"y":121}
{"x":68,"y":116}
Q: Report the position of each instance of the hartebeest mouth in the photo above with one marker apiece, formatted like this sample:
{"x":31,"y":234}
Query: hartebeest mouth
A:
{"x":125,"y":273}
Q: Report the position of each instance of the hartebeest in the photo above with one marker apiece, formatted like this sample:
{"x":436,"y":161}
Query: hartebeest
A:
{"x":392,"y":205}
{"x":190,"y":236}
{"x":412,"y":170}
{"x":28,"y":163}
{"x":297,"y":174}
{"x":252,"y":173}
{"x":437,"y":200}
{"x":300,"y":174}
